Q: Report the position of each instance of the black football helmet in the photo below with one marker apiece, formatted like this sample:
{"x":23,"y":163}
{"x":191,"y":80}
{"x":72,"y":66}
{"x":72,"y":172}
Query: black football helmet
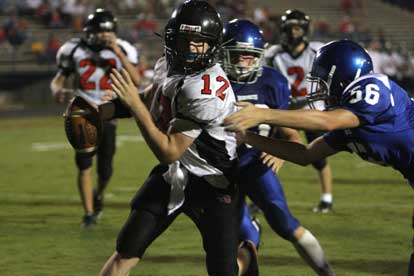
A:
{"x":196,"y":21}
{"x":99,"y":21}
{"x":287,"y":21}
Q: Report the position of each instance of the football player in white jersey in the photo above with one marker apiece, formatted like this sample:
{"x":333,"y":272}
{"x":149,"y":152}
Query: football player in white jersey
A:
{"x":293,"y":58}
{"x":90,"y":59}
{"x":197,"y":156}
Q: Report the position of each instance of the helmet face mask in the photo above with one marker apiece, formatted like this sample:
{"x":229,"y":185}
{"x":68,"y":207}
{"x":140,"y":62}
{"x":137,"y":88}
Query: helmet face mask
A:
{"x":240,"y":72}
{"x":319,"y":91}
{"x":193,"y":26}
{"x":243,"y":51}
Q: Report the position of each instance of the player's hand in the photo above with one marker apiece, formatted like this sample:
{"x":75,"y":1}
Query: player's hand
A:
{"x":62,"y":95}
{"x":243,"y":119}
{"x":110,"y":39}
{"x":108,"y":95}
{"x":272,"y":162}
{"x":125,"y":88}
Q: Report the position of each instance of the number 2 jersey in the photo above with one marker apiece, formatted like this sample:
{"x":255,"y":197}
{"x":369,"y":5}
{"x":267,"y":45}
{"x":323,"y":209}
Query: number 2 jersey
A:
{"x":91,"y":68}
{"x":295,"y":69}
{"x":269,"y":91}
{"x":386,"y":135}
{"x":196,"y":105}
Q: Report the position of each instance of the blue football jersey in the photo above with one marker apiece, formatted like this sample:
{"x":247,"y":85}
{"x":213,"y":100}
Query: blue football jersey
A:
{"x":271,"y":90}
{"x":386,"y":135}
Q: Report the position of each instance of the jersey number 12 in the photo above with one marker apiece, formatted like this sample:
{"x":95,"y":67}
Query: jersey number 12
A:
{"x":221,"y":92}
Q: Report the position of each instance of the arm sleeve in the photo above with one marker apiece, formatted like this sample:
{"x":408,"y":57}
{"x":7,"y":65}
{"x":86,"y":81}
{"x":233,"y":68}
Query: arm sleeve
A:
{"x":114,"y":109}
{"x":337,"y":140}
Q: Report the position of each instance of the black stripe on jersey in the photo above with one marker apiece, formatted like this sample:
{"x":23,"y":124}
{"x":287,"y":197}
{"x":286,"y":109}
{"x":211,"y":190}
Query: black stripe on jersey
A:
{"x":215,"y":153}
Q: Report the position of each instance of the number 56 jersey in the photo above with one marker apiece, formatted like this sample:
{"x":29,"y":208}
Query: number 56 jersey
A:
{"x":198,"y":104}
{"x":386,"y":133}
{"x":91,"y":68}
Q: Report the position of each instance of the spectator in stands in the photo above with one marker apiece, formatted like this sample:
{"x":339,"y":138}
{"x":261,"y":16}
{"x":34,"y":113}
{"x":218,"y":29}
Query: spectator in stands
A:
{"x":28,"y":7}
{"x":4,"y":5}
{"x":347,"y":6}
{"x":37,"y":49}
{"x":3,"y":36}
{"x":346,"y":27}
{"x":146,"y":25}
{"x":55,"y":19}
{"x":374,"y":49}
{"x":52,"y":47}
{"x":15,"y":29}
{"x":322,"y":29}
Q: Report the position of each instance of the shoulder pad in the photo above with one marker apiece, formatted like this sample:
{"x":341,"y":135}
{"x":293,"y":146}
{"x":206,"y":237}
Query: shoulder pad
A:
{"x":130,"y":50}
{"x":273,"y":50}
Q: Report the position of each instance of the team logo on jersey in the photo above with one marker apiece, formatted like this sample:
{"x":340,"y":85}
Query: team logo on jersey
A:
{"x":190,"y":28}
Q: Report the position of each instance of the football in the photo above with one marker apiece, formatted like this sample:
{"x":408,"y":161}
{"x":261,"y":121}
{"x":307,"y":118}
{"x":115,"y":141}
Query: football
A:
{"x":83,"y":126}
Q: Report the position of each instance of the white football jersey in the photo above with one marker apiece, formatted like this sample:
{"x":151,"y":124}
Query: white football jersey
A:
{"x":197,"y":105}
{"x":92,"y":68}
{"x":295,"y":69}
{"x":156,"y":108}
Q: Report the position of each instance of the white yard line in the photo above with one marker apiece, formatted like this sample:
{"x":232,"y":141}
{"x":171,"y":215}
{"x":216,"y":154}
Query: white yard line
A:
{"x":121,"y":196}
{"x":51,"y":146}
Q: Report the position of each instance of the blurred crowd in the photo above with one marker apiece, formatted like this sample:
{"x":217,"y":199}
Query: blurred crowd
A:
{"x":140,"y":19}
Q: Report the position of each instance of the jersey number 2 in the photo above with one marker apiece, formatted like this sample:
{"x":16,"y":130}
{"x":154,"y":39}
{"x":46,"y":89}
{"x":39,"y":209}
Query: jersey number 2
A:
{"x":298,"y":71}
{"x":220,"y":92}
{"x":91,"y":85}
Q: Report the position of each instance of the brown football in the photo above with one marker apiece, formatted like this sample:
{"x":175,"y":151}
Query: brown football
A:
{"x":83,"y":126}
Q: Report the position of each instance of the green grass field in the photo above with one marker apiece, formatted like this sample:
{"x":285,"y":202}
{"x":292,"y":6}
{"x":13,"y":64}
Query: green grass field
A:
{"x":369,"y":233}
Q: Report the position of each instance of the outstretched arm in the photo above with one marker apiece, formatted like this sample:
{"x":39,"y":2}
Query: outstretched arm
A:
{"x":59,"y":92}
{"x":166,"y":147}
{"x":251,"y":116}
{"x":291,"y":151}
{"x":273,"y":162}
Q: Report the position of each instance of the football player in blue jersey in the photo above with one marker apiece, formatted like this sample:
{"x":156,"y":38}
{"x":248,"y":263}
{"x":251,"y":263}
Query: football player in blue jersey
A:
{"x":367,"y":113}
{"x":243,"y":52}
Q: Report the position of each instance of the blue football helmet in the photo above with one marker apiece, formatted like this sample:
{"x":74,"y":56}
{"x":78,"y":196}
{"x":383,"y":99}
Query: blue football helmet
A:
{"x":335,"y":66}
{"x":242,"y":37}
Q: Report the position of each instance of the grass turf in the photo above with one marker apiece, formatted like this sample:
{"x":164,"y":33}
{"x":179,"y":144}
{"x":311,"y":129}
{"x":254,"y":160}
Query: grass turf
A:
{"x":368,"y":234}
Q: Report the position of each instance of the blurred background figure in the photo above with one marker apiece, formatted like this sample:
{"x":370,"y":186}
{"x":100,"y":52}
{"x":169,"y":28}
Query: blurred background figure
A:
{"x":293,"y":58}
{"x":90,"y":59}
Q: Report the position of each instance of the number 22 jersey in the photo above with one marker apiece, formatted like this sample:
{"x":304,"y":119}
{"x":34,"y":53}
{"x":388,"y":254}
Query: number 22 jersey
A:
{"x":92,"y":68}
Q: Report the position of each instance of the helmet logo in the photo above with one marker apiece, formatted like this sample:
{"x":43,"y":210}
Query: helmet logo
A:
{"x":108,"y":25}
{"x":190,"y":28}
{"x":244,"y":44}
